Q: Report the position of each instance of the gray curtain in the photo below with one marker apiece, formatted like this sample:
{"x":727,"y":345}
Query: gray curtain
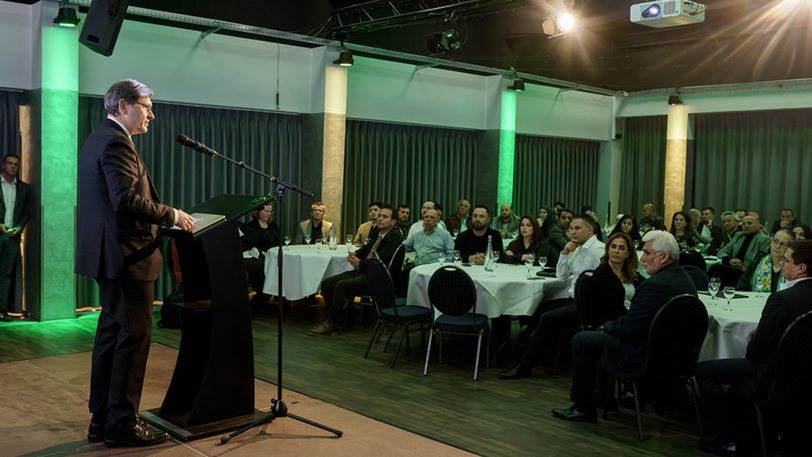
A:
{"x":270,"y":142}
{"x":9,"y":122}
{"x":642,"y":176}
{"x":759,"y":160}
{"x":551,"y":169}
{"x":398,"y":163}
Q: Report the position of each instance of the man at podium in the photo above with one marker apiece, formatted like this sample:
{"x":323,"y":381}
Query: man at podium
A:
{"x":118,"y":243}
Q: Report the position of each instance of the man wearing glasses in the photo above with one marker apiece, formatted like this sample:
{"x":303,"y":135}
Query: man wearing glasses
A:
{"x":118,"y":244}
{"x":752,"y":375}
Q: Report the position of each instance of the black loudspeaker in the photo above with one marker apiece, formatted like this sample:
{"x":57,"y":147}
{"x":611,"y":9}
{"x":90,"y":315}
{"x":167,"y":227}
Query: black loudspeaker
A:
{"x":102,"y":24}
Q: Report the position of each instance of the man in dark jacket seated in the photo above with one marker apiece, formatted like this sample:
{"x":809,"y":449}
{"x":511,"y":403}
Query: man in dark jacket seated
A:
{"x":620,"y":345}
{"x":752,"y":375}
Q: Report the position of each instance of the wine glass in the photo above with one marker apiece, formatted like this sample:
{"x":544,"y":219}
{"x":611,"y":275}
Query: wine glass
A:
{"x":729,"y":293}
{"x":456,"y":232}
{"x":319,"y":242}
{"x":287,"y":240}
{"x":528,"y":262}
{"x":442,"y":258}
{"x":496,"y":256}
{"x":457,"y":256}
{"x":307,"y":239}
{"x":713,"y":287}
{"x":542,"y":262}
{"x":348,"y":241}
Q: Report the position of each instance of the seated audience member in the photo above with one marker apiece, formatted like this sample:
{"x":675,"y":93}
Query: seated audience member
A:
{"x":745,"y":250}
{"x":619,"y":346}
{"x":598,"y":229}
{"x":741,"y":212}
{"x":403,"y":223}
{"x":786,"y":219}
{"x":802,"y":232}
{"x":582,"y":253}
{"x":258,"y":236}
{"x":431,"y":242}
{"x":650,"y":219}
{"x":458,"y":222}
{"x":626,"y":224}
{"x":702,"y":233}
{"x":751,"y":376}
{"x":730,"y":225}
{"x":766,"y":276}
{"x":473,"y":243}
{"x":709,"y":229}
{"x":559,"y":234}
{"x":418,"y":226}
{"x":545,"y":220}
{"x":362,"y":235}
{"x":531,"y":240}
{"x":683,"y":231}
{"x":315,"y":227}
{"x":507,"y":223}
{"x":557,"y":207}
{"x":383,"y":242}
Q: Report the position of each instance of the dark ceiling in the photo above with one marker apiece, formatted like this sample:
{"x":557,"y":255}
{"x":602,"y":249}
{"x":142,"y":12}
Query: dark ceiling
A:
{"x":740,"y":41}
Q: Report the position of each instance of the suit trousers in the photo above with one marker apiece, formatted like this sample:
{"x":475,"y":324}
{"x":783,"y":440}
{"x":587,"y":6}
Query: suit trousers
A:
{"x":711,"y":376}
{"x":555,"y":315}
{"x":120,"y":351}
{"x":9,"y":250}
{"x":587,"y":348}
{"x":338,"y":288}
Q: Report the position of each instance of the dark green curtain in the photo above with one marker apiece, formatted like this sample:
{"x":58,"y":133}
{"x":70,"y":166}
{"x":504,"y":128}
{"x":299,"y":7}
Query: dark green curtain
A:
{"x":759,"y":160}
{"x":270,"y":142}
{"x":9,"y":122}
{"x":642,"y":176}
{"x":551,"y":169}
{"x":398,"y":163}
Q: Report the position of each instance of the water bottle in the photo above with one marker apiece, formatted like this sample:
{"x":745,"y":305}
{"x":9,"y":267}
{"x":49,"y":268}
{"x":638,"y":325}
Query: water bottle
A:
{"x":489,"y":256}
{"x":332,"y":243}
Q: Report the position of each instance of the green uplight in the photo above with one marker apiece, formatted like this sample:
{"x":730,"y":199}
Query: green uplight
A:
{"x":507,"y":147}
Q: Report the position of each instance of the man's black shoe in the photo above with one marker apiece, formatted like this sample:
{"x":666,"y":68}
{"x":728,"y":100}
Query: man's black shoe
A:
{"x":95,"y":431}
{"x":718,"y":447}
{"x":5,"y":317}
{"x":140,"y":435}
{"x":576,"y":415}
{"x":518,"y":371}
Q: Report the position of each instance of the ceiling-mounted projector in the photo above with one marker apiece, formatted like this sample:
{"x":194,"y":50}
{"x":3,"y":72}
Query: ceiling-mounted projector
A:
{"x":667,"y":13}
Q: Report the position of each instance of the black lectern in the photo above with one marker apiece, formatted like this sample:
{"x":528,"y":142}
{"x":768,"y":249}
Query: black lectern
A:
{"x":212,"y":388}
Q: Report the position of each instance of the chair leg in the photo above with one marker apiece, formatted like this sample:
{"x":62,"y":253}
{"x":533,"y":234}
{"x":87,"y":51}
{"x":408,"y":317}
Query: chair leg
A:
{"x":439,"y":348}
{"x":400,"y":343}
{"x":428,"y":353}
{"x":487,"y":349}
{"x":637,"y":410}
{"x":694,"y":388}
{"x":609,"y":387}
{"x":760,"y":421}
{"x":476,"y":362}
{"x":408,"y":343}
{"x":389,"y":340}
{"x":371,"y":340}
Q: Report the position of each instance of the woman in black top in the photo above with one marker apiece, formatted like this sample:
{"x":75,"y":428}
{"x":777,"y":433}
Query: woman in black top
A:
{"x":263,"y":234}
{"x":530,"y":241}
{"x":628,"y":225}
{"x":612,"y":283}
{"x":683,"y":231}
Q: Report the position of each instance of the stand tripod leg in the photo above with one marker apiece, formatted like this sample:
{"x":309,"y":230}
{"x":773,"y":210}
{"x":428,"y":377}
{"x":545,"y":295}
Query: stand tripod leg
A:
{"x":266,"y":419}
{"x":337,"y":433}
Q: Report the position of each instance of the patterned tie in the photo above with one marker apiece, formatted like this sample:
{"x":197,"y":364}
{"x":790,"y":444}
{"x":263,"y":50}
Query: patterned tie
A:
{"x":374,"y":247}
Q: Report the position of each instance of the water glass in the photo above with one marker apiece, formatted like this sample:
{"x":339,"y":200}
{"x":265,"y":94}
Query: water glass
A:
{"x":348,"y":239}
{"x":729,"y":293}
{"x":528,"y":262}
{"x":713,"y":287}
{"x":287,"y":240}
{"x":442,"y":258}
{"x":542,"y":261}
{"x":457,"y":256}
{"x":307,"y":239}
{"x":456,"y":232}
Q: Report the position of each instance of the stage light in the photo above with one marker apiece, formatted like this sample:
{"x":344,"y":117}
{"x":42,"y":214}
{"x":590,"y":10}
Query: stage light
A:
{"x":445,"y":42}
{"x":558,"y":24}
{"x":66,"y":17}
{"x":344,"y":59}
{"x":517,"y":86}
{"x":565,"y":22}
{"x":674,"y":99}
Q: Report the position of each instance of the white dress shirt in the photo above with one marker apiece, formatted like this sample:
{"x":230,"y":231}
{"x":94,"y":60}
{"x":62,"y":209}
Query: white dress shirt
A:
{"x":585,"y":257}
{"x":9,"y":198}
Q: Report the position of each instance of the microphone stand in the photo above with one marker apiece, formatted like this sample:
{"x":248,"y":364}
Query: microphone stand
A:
{"x":278,"y":407}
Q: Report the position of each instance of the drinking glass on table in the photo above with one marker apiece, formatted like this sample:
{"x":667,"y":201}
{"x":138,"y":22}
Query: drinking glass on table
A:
{"x":729,"y":293}
{"x":713,"y":287}
{"x":542,"y":262}
{"x":457,"y":256}
{"x":442,"y":258}
{"x":456,"y":232}
{"x":307,"y":239}
{"x":287,"y":240}
{"x":528,"y":262}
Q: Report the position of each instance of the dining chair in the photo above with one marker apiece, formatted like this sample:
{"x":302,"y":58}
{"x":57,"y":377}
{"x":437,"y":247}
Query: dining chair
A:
{"x":453,"y":294}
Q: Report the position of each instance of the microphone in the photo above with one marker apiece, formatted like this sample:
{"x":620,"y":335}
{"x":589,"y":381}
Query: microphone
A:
{"x":197,"y":146}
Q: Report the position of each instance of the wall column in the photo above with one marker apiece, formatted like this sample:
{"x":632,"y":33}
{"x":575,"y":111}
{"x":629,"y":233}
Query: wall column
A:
{"x":507,"y":149}
{"x":335,"y":129}
{"x":676,"y":154}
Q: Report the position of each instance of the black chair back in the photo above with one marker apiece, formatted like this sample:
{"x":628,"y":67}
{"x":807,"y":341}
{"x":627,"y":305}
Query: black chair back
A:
{"x":693,"y":258}
{"x":675,"y":338}
{"x":396,"y":263}
{"x":381,"y":287}
{"x":699,"y":277}
{"x":452,"y":291}
{"x":583,"y":297}
{"x":793,"y":370}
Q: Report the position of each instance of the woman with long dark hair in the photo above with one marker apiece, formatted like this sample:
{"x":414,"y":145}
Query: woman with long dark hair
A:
{"x":531,"y":240}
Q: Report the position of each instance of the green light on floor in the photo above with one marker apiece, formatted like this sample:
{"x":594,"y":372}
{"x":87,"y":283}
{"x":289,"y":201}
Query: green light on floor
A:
{"x":507,"y":147}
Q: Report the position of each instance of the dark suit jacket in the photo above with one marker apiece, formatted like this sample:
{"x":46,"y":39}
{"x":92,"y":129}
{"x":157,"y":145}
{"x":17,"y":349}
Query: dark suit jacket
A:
{"x":20,"y":216}
{"x":469,"y":244}
{"x":605,"y":298}
{"x":781,"y":309}
{"x":119,"y":210}
{"x":254,"y":236}
{"x":558,"y":237}
{"x":625,"y":349}
{"x":385,"y":250}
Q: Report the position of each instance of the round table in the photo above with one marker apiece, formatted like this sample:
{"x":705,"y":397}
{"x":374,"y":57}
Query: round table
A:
{"x":730,"y":331}
{"x":506,"y":291}
{"x":305,"y":265}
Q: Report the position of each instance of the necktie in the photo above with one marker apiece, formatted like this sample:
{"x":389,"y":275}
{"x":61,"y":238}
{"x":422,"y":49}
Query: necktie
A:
{"x":374,"y":247}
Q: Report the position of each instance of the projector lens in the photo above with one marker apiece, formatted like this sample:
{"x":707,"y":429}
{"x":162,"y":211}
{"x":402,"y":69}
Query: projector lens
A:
{"x":651,"y":11}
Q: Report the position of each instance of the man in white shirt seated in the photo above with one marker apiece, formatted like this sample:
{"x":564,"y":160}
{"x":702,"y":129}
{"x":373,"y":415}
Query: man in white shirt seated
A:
{"x":418,"y":226}
{"x":583,"y":252}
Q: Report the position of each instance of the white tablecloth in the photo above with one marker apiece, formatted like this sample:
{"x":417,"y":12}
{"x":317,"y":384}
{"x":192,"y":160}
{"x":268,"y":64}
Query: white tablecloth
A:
{"x":730,"y":331}
{"x":304,"y":268}
{"x":507,"y":292}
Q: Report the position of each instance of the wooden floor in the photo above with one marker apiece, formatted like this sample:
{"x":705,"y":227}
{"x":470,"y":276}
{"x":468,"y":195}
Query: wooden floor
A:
{"x":487,"y":417}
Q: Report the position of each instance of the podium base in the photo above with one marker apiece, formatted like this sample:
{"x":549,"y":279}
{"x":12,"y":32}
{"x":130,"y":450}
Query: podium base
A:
{"x":153,"y":417}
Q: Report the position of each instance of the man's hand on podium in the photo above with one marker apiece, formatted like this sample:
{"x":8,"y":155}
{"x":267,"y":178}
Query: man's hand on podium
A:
{"x":185,"y":221}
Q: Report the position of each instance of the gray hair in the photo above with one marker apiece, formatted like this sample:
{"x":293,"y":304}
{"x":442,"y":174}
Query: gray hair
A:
{"x":695,"y":212}
{"x":128,"y":89}
{"x":663,"y":242}
{"x":731,"y":214}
